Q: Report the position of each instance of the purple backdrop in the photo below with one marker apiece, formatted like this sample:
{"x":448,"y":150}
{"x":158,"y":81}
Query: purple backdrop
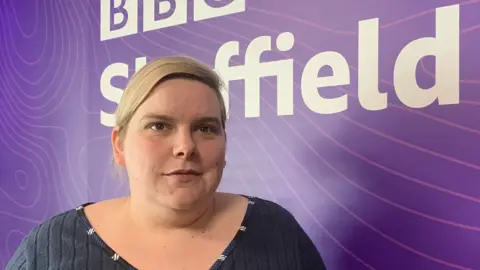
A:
{"x":389,"y":189}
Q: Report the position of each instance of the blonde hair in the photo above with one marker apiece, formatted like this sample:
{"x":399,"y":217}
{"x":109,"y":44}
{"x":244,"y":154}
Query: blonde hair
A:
{"x":145,"y":80}
{"x":160,"y":70}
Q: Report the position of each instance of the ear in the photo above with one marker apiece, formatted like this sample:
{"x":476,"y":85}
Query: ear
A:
{"x":117,"y":145}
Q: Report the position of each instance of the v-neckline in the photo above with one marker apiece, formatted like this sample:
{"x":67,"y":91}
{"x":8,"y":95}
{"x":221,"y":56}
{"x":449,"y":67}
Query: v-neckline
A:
{"x":117,"y":258}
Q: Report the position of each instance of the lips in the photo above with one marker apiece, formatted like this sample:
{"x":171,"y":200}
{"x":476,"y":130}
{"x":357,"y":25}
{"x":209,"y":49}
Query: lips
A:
{"x":184,"y":172}
{"x":184,"y":177}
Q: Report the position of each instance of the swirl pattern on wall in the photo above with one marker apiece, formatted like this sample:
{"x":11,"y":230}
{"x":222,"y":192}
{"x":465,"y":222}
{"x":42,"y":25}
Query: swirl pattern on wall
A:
{"x":372,"y":189}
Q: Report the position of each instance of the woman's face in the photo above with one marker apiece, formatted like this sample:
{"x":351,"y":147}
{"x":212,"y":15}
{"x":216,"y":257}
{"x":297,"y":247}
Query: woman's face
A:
{"x":174,"y":147}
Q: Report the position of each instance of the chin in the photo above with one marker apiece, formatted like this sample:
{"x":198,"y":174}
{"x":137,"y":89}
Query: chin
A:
{"x":184,"y":199}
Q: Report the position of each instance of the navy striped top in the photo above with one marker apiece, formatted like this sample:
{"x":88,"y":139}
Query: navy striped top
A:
{"x":268,"y":238}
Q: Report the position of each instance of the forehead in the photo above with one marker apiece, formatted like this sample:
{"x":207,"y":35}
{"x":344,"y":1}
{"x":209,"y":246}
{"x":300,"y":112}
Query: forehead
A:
{"x":182,"y":98}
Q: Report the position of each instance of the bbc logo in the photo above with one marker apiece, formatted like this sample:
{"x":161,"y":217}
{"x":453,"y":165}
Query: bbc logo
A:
{"x":119,"y":18}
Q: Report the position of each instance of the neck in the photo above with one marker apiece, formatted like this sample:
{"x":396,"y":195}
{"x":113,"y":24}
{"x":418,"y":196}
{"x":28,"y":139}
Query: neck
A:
{"x":155,"y":217}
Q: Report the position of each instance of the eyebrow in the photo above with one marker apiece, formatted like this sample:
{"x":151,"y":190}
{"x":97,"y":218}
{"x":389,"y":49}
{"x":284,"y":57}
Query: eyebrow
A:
{"x":208,"y":119}
{"x":161,"y":117}
{"x":152,"y":116}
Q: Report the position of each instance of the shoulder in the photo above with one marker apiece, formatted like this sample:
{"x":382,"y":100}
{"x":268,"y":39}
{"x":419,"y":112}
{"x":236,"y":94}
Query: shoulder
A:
{"x":47,"y":236}
{"x":271,"y":219}
{"x":52,"y":229}
{"x":274,"y":212}
{"x":280,"y":229}
{"x":256,"y":208}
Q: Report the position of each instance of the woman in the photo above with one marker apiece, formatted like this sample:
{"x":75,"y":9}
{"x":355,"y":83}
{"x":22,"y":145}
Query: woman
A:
{"x":170,"y":137}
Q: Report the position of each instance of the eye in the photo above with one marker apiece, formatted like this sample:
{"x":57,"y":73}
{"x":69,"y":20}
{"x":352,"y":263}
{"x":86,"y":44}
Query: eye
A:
{"x":207,"y":129}
{"x":158,"y":126}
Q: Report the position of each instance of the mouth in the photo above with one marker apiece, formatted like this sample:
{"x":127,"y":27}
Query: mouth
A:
{"x":184,"y":172}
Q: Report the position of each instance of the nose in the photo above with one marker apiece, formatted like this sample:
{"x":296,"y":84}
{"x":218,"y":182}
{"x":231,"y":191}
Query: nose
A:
{"x":184,"y":146}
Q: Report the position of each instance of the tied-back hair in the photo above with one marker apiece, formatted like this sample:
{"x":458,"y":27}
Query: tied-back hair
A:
{"x":145,"y":80}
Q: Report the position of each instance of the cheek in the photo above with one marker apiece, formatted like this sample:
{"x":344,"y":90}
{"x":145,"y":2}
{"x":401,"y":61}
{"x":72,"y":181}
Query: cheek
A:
{"x":213,"y":154}
{"x":144,"y":153}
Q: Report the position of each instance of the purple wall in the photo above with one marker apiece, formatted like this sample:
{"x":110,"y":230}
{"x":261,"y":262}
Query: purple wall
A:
{"x":375,"y":188}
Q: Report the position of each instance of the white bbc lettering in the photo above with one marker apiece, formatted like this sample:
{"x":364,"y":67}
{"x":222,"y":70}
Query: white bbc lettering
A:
{"x":166,"y":13}
{"x":112,"y":93}
{"x":118,"y":18}
{"x":444,"y":46}
{"x":207,"y":9}
{"x":253,"y":70}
